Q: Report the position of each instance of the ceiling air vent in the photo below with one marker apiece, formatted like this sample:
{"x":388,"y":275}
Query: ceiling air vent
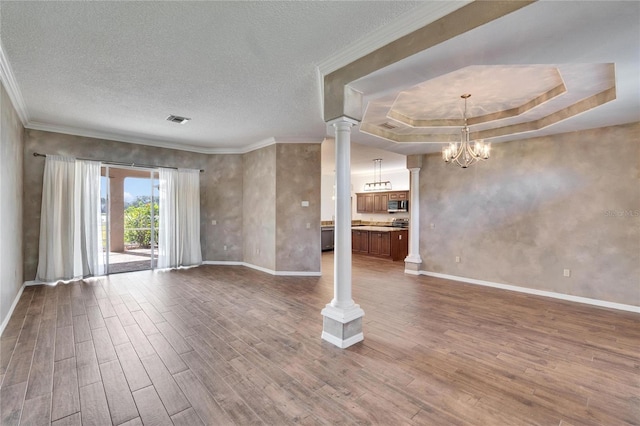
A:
{"x":177,"y":119}
{"x":388,"y":126}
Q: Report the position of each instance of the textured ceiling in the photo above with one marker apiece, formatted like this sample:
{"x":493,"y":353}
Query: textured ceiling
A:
{"x":500,"y":106}
{"x":246,"y":72}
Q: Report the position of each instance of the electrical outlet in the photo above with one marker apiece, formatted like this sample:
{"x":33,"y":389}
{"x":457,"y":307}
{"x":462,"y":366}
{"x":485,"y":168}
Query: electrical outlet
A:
{"x":225,"y":248}
{"x":567,"y":273}
{"x":457,"y":259}
{"x":214,"y":222}
{"x":308,"y":225}
{"x":433,"y":226}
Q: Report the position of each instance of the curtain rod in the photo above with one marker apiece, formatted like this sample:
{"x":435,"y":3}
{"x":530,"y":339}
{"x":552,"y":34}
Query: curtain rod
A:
{"x":119,"y":163}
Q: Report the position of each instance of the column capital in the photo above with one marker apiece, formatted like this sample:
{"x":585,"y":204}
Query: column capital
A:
{"x":343,"y":120}
{"x":414,"y":169}
{"x":414,"y":161}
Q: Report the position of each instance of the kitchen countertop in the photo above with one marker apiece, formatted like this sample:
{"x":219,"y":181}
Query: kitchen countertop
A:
{"x":377,"y":228}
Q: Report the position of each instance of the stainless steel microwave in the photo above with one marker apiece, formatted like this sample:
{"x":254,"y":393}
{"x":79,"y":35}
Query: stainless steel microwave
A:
{"x":395,"y":206}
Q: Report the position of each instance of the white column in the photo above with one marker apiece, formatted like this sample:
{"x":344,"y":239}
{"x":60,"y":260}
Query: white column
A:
{"x":342,"y":324}
{"x":413,"y":260}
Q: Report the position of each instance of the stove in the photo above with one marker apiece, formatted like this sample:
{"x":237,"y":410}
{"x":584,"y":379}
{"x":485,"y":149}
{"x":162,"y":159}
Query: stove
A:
{"x":400,"y":223}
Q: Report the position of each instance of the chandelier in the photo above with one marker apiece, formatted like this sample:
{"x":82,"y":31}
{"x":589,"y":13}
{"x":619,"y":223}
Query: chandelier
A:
{"x":377,"y":184}
{"x":464,"y":154}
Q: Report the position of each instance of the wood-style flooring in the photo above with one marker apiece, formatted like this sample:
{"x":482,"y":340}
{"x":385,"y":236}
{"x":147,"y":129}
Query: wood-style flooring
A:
{"x":230,"y":345}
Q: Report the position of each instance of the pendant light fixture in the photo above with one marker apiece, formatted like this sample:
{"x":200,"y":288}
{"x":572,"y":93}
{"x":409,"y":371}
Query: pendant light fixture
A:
{"x":464,"y":154}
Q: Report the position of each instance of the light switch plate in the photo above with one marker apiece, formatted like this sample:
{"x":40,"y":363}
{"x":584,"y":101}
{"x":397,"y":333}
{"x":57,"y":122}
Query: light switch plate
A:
{"x":305,"y":204}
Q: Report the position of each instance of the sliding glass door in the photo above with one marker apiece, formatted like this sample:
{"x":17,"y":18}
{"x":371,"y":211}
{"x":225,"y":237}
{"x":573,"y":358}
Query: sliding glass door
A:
{"x":130,"y":213}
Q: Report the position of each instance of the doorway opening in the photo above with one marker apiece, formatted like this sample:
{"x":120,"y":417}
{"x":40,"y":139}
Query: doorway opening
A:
{"x":130,"y":212}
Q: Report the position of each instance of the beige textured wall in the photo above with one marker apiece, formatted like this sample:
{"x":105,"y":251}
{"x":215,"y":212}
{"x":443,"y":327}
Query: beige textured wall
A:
{"x":539,"y":206}
{"x":11,"y":198}
{"x":259,"y":207}
{"x":211,"y":206}
{"x":222,"y":190}
{"x":298,"y":173}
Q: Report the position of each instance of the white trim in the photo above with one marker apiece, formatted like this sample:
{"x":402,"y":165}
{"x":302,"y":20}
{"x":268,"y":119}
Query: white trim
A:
{"x":98,"y":134}
{"x":265,"y":270}
{"x":222,"y":262}
{"x":11,"y":85}
{"x":544,"y":293}
{"x":342,"y":344}
{"x":5,"y":321}
{"x":343,"y":315}
{"x":407,"y":23}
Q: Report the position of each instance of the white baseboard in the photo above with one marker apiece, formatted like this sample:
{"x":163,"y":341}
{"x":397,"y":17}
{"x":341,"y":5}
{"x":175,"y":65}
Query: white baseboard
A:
{"x":6,"y":319}
{"x":342,"y":344}
{"x":561,"y":296}
{"x":261,"y":269}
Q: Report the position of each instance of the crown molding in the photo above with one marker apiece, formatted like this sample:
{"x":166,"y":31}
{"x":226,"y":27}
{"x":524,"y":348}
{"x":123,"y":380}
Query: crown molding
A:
{"x":11,"y":85}
{"x":96,"y":134}
{"x":405,"y":24}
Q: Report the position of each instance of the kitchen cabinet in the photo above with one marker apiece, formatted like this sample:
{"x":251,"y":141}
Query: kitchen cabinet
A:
{"x":380,"y":241}
{"x":380,"y":202}
{"x":377,"y":202}
{"x":360,"y":241}
{"x":364,"y":203}
{"x":399,"y":195}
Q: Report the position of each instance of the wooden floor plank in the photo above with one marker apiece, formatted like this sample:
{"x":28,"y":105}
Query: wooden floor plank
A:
{"x":151,"y":410}
{"x":37,"y":411}
{"x":116,"y":331}
{"x":173,"y":337}
{"x":41,"y":374}
{"x":201,"y":400}
{"x":134,"y":371}
{"x":65,"y":400}
{"x":64,"y":346}
{"x":87,"y":364}
{"x":168,"y":355}
{"x":11,"y":401}
{"x":81,"y":328}
{"x":72,"y":420}
{"x":164,"y":383}
{"x":188,"y":417}
{"x":139,"y":341}
{"x":93,"y":401}
{"x":103,"y":345}
{"x":121,"y":405}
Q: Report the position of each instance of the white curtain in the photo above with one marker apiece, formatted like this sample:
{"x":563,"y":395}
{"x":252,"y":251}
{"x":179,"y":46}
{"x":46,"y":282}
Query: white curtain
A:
{"x":179,"y":236}
{"x":70,"y":239}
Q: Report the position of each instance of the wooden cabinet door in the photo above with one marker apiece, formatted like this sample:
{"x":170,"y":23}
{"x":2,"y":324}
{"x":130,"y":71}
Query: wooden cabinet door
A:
{"x":360,"y":241}
{"x":399,"y":245}
{"x":374,"y":242}
{"x":364,"y":203}
{"x":380,"y":202}
{"x":380,"y":243}
{"x":399,"y":195}
{"x":385,"y":244}
{"x":360,"y":203}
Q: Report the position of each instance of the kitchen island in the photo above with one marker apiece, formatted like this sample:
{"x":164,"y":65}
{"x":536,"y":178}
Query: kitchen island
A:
{"x":380,"y":241}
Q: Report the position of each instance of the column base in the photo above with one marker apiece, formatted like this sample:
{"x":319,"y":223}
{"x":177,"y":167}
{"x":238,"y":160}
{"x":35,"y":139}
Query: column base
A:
{"x":412,"y":265}
{"x":342,"y":327}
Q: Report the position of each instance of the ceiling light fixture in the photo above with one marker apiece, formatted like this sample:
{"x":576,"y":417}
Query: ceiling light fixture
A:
{"x":377,"y":184}
{"x":463,"y":154}
{"x":177,"y":119}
